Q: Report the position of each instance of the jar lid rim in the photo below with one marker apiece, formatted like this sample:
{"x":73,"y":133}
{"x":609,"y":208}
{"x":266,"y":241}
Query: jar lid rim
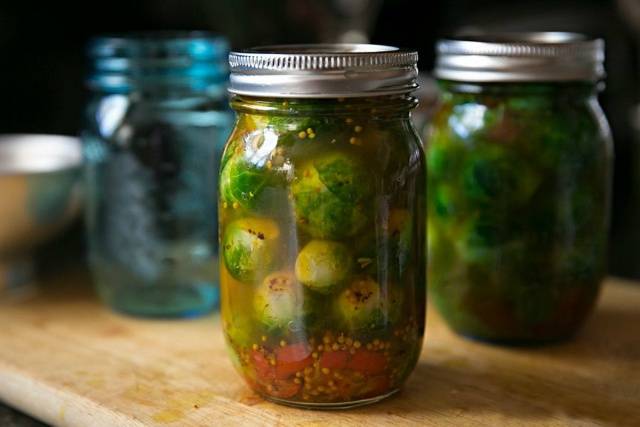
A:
{"x":524,"y":56}
{"x":323,"y":70}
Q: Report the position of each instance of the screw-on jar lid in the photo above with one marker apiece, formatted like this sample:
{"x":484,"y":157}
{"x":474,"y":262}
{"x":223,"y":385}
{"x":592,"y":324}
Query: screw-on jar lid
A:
{"x":520,"y":57}
{"x":323,"y":71}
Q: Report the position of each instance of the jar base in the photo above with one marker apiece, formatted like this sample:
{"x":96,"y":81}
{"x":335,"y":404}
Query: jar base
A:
{"x":331,"y":406}
{"x":190,"y":301}
{"x":519,"y":342}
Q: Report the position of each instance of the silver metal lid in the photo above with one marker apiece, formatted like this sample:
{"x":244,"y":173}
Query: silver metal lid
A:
{"x":323,"y":71}
{"x":520,"y":57}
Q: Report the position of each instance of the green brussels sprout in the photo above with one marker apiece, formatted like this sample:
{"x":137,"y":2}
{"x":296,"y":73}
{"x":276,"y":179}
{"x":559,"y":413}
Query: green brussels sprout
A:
{"x":249,"y":246}
{"x":483,"y":239}
{"x":493,"y":175}
{"x":329,"y":193}
{"x":241,"y":181}
{"x":279,"y":302}
{"x":323,"y":265}
{"x":392,"y":245}
{"x":362,"y":305}
{"x":401,"y":236}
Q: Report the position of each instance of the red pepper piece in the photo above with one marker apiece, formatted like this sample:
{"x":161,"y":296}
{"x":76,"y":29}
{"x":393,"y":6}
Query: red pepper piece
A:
{"x":368,"y":362}
{"x":334,"y":359}
{"x":264,"y":370}
{"x":291,"y":359}
{"x":284,"y":389}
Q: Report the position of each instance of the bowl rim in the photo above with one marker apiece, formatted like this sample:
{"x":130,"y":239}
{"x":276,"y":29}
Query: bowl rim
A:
{"x":25,"y":153}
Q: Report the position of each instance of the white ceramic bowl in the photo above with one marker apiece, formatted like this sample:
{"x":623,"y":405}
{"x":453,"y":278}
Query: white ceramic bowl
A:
{"x":40,"y":193}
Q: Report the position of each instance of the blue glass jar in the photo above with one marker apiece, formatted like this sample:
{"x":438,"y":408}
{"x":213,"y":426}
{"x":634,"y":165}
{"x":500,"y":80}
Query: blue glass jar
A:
{"x":156,"y":123}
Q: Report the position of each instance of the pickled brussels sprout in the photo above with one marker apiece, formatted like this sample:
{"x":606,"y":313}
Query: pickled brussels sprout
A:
{"x":362,"y":306}
{"x":518,"y":189}
{"x":279,"y":301}
{"x":494,"y":175}
{"x":329,"y":193}
{"x":323,"y":265}
{"x":249,"y":246}
{"x":241,"y":182}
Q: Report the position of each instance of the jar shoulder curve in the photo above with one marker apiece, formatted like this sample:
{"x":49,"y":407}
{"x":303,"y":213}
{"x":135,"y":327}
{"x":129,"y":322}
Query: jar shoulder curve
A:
{"x":540,"y":127}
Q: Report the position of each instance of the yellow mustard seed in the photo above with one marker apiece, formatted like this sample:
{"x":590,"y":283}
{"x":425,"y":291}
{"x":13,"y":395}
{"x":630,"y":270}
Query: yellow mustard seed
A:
{"x":225,"y":205}
{"x":269,"y":164}
{"x":314,"y":355}
{"x":308,"y":370}
{"x":369,"y":346}
{"x":341,"y":339}
{"x":349,"y":341}
{"x":326,"y":339}
{"x":357,"y":344}
{"x":307,"y":386}
{"x":357,"y":129}
{"x":236,"y":205}
{"x":326,"y":371}
{"x":255,"y":346}
{"x":353,"y":140}
{"x":309,"y":130}
{"x":335,"y":347}
{"x":312,"y":135}
{"x":349,"y":120}
{"x":302,"y":134}
{"x":321,"y":388}
{"x":352,"y":351}
{"x":376,"y":342}
{"x":283,"y":343}
{"x":320,"y":347}
{"x":272,"y":362}
{"x":264,"y":338}
{"x":331,"y":383}
{"x":296,"y":381}
{"x":299,"y":374}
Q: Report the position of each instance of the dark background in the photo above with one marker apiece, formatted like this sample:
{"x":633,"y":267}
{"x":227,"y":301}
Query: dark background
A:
{"x":42,"y":46}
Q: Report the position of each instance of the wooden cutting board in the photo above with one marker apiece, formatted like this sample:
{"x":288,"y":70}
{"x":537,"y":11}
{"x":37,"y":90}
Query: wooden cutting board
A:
{"x":67,"y":360}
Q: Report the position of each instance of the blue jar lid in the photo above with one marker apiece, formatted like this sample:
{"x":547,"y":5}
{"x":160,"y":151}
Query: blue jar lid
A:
{"x":192,"y":60}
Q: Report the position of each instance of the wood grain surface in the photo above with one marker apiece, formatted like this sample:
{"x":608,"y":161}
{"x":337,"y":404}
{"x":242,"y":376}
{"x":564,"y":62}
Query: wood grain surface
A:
{"x":68,"y":361}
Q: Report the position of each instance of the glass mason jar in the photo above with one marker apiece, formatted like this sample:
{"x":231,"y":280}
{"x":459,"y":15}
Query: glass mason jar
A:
{"x":322,"y":223}
{"x":519,"y":163}
{"x":155,"y":128}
